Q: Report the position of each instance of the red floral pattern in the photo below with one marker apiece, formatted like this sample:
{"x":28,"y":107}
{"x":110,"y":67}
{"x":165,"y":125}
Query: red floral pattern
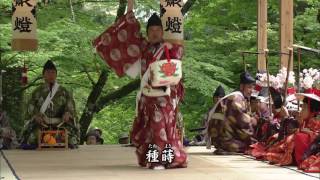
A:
{"x":311,"y":164}
{"x":168,"y":68}
{"x":121,"y":45}
{"x":295,"y":145}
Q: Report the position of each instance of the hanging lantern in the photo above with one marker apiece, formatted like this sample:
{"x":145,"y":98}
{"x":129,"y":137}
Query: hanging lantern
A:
{"x":24,"y":25}
{"x":172,"y":20}
{"x":24,"y":77}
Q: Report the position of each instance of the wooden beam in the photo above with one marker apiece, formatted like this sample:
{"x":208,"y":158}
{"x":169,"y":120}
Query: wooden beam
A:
{"x":262,"y":33}
{"x":286,"y":31}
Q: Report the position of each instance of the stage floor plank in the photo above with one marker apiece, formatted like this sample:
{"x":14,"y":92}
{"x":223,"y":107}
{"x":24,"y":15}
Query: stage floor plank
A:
{"x":114,"y":162}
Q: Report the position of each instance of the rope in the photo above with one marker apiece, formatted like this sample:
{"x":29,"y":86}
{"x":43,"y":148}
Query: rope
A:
{"x":10,"y":166}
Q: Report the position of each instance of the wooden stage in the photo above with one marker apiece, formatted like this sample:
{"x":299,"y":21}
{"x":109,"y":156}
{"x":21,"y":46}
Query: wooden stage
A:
{"x":114,"y":162}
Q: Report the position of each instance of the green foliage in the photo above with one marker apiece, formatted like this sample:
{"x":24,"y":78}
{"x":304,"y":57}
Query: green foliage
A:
{"x":5,"y":5}
{"x":116,"y":118}
{"x":11,"y":84}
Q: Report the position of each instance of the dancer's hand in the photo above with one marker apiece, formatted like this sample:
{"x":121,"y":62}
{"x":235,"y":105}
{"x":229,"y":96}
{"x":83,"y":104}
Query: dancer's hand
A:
{"x":254,"y":121}
{"x":39,"y":118}
{"x":66,"y":117}
{"x":168,"y":44}
{"x":130,"y":5}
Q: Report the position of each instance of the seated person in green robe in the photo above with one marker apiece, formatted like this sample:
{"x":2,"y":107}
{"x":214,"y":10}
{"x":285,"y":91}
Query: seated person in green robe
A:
{"x":51,"y":106}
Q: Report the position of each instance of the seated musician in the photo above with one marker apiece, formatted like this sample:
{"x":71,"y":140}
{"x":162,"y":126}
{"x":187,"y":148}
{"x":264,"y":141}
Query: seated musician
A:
{"x":291,"y":148}
{"x":94,"y":136}
{"x":214,"y":118}
{"x":51,"y":106}
{"x":237,"y":132}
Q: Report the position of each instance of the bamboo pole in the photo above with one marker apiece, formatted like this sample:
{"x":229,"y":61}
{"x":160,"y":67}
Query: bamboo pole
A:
{"x":1,"y":96}
{"x":299,"y":69}
{"x":244,"y":62}
{"x":317,"y":51}
{"x":288,"y":73}
{"x":266,"y":51}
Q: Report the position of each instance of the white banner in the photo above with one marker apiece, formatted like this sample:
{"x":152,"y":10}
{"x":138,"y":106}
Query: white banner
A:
{"x":172,"y":19}
{"x":24,"y":25}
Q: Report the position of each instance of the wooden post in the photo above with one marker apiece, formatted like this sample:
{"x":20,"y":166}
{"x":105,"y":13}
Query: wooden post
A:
{"x":262,"y":33}
{"x":266,"y":51}
{"x":286,"y":34}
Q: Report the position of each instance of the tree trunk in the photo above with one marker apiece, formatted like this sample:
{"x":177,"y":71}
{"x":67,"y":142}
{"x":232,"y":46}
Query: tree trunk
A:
{"x":120,"y":93}
{"x":73,"y":16}
{"x":88,"y":112}
{"x":94,"y":95}
{"x":187,"y":6}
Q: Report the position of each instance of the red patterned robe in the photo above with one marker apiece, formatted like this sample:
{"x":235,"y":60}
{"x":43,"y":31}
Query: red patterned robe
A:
{"x":303,"y":142}
{"x":311,"y":164}
{"x":156,"y":119}
{"x":282,"y":152}
{"x":123,"y":47}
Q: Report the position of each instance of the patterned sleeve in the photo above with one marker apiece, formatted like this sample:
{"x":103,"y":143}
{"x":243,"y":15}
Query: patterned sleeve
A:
{"x":70,"y":106}
{"x":33,"y":108}
{"x":4,"y":120}
{"x":239,"y":112}
{"x":180,"y":91}
{"x":176,"y":52}
{"x":120,"y":46}
{"x":314,"y":125}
